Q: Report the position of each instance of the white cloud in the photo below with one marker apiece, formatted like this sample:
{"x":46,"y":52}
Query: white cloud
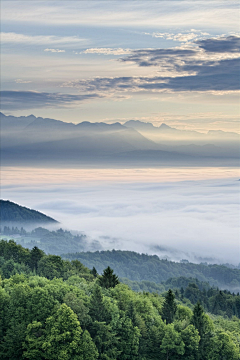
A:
{"x":11,"y":37}
{"x":20,"y":81}
{"x":132,"y":13}
{"x":181,"y":37}
{"x":194,"y":216}
{"x":107,"y":51}
{"x":55,"y":50}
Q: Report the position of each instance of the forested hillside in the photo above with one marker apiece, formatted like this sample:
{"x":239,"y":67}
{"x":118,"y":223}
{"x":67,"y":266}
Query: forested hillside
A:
{"x":11,"y":212}
{"x":56,"y":309}
{"x":138,"y":267}
{"x":52,"y":242}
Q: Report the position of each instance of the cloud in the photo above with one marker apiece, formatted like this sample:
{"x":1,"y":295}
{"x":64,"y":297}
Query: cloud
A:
{"x":117,"y":13}
{"x":194,"y":216}
{"x":230,"y":44}
{"x":20,"y":81}
{"x":181,"y":37}
{"x":108,"y":51}
{"x":222,"y":76}
{"x":187,"y":68}
{"x":55,"y":50}
{"x":11,"y":37}
{"x":22,"y":100}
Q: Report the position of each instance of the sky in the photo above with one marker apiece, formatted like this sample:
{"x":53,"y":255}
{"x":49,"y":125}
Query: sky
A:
{"x":172,"y":62}
{"x":175,"y":62}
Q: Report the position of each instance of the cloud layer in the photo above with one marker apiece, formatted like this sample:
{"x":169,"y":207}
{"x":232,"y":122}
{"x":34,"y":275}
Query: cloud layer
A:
{"x":16,"y":38}
{"x":193,"y":217}
{"x":213,"y":65}
{"x":21,"y":100}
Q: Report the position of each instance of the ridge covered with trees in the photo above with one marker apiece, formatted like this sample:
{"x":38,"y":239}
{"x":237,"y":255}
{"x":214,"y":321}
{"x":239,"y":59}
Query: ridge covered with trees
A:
{"x":52,"y":308}
{"x":11,"y":212}
{"x":139,"y":267}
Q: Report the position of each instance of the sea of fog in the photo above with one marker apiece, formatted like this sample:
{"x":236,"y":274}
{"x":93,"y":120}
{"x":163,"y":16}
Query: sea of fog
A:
{"x":180,"y":213}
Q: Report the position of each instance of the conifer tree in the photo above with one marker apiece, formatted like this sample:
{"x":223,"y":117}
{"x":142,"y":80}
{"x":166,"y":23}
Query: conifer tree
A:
{"x":202,"y":323}
{"x":94,"y":272}
{"x":169,"y":307}
{"x":108,"y":279}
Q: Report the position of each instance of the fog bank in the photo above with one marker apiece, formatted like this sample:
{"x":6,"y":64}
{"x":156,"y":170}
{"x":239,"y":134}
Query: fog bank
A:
{"x":197,"y":219}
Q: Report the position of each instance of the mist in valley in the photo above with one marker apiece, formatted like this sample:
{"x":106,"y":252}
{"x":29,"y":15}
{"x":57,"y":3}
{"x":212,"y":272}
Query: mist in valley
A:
{"x":176,"y":214}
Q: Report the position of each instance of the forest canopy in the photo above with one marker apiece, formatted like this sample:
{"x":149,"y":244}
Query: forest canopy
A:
{"x":51,"y":308}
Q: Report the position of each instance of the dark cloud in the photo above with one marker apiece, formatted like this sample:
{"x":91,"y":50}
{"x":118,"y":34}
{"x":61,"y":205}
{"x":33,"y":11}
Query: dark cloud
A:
{"x":23,"y":100}
{"x":156,"y":57}
{"x":193,"y":69}
{"x":219,"y":76}
{"x":221,"y":45}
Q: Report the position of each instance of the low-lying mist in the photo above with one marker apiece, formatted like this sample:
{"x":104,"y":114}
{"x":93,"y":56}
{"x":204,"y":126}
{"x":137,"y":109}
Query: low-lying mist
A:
{"x":191,"y":219}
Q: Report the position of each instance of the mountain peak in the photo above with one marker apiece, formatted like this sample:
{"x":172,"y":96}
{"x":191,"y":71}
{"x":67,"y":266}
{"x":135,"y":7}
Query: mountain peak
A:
{"x":164,"y":126}
{"x":12,"y":212}
{"x":137,"y":124}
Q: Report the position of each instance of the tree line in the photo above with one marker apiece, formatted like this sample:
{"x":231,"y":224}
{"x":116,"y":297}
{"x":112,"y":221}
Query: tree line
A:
{"x":139,"y":267}
{"x":58,"y":309}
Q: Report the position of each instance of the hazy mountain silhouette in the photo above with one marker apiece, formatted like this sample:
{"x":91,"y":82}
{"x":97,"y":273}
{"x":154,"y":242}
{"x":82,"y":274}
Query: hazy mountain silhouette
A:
{"x":167,"y":134}
{"x":32,"y":140}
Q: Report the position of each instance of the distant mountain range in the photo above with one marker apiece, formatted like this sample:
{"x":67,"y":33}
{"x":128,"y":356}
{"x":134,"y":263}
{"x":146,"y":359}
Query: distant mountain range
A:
{"x":32,"y":140}
{"x":14,"y":213}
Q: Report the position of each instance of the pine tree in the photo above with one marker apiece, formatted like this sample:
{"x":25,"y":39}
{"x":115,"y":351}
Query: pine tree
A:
{"x":202,"y":323}
{"x":97,"y":309}
{"x":108,"y":279}
{"x":35,"y":256}
{"x":94,"y":272}
{"x":169,"y":307}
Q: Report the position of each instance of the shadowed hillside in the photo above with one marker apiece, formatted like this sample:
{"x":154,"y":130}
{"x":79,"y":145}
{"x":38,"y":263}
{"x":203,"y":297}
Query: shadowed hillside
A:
{"x":11,"y":212}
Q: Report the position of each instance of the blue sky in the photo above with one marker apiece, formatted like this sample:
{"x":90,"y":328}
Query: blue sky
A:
{"x":161,"y":61}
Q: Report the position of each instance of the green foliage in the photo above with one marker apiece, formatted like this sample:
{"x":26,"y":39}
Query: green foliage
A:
{"x":169,"y":307}
{"x":172,"y":343}
{"x":67,"y":315}
{"x":54,"y":242}
{"x":142,"y":267}
{"x":108,"y":279}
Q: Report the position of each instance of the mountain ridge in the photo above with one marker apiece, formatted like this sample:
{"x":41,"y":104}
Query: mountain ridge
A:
{"x":11,"y":212}
{"x":37,"y":140}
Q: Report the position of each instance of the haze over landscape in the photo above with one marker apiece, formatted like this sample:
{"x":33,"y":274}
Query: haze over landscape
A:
{"x":120,"y":201}
{"x":147,"y":103}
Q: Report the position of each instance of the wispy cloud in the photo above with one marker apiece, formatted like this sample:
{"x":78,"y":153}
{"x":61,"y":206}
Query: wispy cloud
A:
{"x":22,"y":100}
{"x":54,"y":50}
{"x":181,"y":37}
{"x":118,"y":13}
{"x":20,"y":81}
{"x":108,"y":51}
{"x":11,"y":37}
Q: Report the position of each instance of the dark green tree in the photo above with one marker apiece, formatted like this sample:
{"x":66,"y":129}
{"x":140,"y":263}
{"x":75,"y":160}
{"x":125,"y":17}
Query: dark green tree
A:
{"x":97,"y":308}
{"x":108,"y":279}
{"x":94,"y":272}
{"x":35,"y":256}
{"x":202,"y":323}
{"x":169,"y":307}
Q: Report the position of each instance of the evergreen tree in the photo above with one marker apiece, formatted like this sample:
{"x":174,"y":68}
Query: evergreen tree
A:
{"x":35,"y":256}
{"x":169,"y":307}
{"x":94,"y":272}
{"x":97,"y":309}
{"x":203,"y":325}
{"x":108,"y":279}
